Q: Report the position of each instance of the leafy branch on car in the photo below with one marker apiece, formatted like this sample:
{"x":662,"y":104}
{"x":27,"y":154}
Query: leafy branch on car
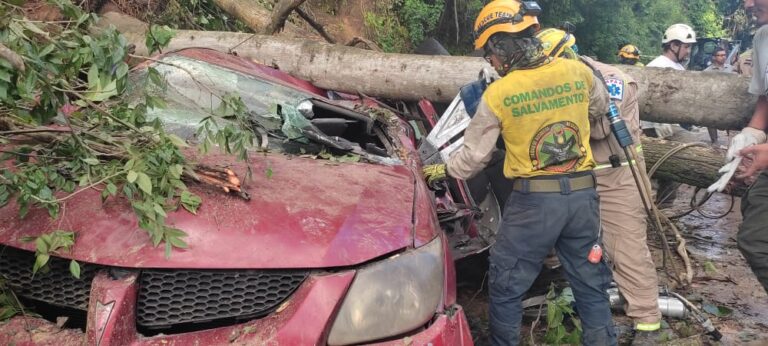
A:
{"x":62,"y":128}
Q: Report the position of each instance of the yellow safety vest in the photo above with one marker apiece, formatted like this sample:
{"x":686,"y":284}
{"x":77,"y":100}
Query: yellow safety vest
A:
{"x":544,"y":118}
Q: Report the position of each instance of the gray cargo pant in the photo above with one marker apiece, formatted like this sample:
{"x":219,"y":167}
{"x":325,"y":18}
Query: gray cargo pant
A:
{"x":534,"y":223}
{"x":753,"y":233}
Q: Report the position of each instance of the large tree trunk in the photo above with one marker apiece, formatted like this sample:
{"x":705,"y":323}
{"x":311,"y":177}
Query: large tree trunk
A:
{"x":703,"y":98}
{"x":695,"y":166}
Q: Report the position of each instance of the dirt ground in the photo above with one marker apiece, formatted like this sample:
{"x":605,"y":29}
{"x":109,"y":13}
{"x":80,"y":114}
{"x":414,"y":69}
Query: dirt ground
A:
{"x":722,"y":279}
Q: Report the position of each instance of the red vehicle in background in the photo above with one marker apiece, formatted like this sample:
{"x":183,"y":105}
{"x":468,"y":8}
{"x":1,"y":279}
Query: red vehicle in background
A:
{"x":324,"y":252}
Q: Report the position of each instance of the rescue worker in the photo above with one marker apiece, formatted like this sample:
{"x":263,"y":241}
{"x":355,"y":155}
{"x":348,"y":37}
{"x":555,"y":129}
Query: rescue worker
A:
{"x":621,"y":209}
{"x":541,"y":107}
{"x":752,"y":237}
{"x":629,"y":55}
{"x":744,"y":64}
{"x":676,"y":44}
{"x":717,"y":64}
{"x":718,"y":60}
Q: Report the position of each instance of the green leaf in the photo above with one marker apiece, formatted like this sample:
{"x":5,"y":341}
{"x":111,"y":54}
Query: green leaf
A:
{"x":717,"y":310}
{"x":129,"y":165}
{"x":167,"y":250}
{"x":710,"y":268}
{"x":190,"y":201}
{"x":145,"y":184}
{"x":177,"y":141}
{"x":91,"y":161}
{"x":155,"y":76}
{"x":74,"y":268}
{"x":131,"y":177}
{"x":41,"y":246}
{"x":40,"y":261}
{"x":94,"y":83}
{"x":122,"y":70}
{"x":112,"y":189}
{"x":178,"y":242}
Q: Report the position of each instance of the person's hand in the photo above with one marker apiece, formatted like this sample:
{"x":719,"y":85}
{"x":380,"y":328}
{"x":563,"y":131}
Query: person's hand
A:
{"x":759,"y":156}
{"x":747,"y":138}
{"x":434,"y":173}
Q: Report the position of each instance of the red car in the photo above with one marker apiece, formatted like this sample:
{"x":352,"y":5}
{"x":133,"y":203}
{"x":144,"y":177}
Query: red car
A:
{"x":324,"y":252}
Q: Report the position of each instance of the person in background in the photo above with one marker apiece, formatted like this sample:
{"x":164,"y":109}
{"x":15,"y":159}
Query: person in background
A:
{"x":718,"y":60}
{"x":629,"y":55}
{"x":676,"y":45}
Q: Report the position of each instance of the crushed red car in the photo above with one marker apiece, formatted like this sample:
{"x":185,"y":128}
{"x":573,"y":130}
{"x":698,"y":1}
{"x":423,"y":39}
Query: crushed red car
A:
{"x":326,"y":251}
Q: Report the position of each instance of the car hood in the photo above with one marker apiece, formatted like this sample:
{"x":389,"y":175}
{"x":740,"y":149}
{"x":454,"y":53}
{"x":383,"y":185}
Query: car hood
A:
{"x":305,"y":213}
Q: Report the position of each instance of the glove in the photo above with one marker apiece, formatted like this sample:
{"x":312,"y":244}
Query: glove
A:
{"x":434,"y":173}
{"x":748,"y":136}
{"x":727,"y":172}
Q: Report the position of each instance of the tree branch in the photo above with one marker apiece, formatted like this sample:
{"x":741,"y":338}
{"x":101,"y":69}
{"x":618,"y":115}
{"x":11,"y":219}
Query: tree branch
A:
{"x":280,"y":14}
{"x":16,"y":61}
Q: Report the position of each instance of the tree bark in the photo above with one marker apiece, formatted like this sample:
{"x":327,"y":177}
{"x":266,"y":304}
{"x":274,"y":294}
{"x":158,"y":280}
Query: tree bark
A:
{"x":709,"y":99}
{"x":280,"y":14}
{"x":255,"y":17}
{"x":695,"y":166}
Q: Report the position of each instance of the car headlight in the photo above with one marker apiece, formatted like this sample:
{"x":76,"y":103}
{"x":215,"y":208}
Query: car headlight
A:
{"x":391,"y":297}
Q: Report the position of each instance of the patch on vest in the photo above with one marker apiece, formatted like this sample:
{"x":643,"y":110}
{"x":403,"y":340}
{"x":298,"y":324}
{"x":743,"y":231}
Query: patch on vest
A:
{"x":557,"y":148}
{"x":615,"y":88}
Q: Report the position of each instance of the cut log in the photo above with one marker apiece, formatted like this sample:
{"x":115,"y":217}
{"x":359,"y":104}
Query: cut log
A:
{"x":695,"y":166}
{"x":710,"y":99}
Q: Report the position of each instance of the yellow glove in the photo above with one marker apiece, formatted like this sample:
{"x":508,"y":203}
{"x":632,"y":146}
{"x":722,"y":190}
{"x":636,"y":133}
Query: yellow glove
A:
{"x":434,"y":173}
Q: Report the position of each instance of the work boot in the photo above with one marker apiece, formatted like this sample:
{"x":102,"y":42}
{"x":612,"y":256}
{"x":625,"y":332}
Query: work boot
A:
{"x":647,"y":337}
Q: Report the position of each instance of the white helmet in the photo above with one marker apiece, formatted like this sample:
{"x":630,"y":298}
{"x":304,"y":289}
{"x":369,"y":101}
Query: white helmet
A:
{"x":679,"y":32}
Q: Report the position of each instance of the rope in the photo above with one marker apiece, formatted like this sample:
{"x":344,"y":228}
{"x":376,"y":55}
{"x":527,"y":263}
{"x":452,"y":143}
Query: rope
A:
{"x":694,"y":204}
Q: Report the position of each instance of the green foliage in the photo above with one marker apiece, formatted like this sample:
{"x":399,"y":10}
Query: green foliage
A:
{"x":234,"y":137}
{"x":604,"y":25}
{"x":9,"y":305}
{"x":198,"y":15}
{"x":128,"y":157}
{"x":157,"y":37}
{"x":559,"y":307}
{"x":55,"y":57}
{"x":53,"y":243}
{"x":387,"y":32}
{"x":419,"y":17}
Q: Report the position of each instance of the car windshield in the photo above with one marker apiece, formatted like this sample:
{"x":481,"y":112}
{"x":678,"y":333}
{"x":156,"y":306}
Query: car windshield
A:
{"x":194,"y":91}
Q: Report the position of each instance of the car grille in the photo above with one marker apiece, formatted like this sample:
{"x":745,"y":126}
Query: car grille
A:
{"x":172,"y":297}
{"x":55,"y":286}
{"x":167,"y":298}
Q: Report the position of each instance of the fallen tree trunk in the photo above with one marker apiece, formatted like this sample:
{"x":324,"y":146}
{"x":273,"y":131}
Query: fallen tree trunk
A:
{"x":695,"y":166}
{"x":708,"y":99}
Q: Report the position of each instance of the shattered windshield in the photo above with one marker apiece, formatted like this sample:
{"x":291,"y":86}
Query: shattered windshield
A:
{"x":194,"y":91}
{"x":295,"y":121}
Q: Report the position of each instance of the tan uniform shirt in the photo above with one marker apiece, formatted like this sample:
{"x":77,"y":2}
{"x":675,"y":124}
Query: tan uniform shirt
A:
{"x":624,"y":94}
{"x":483,"y":131}
{"x":744,"y":66}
